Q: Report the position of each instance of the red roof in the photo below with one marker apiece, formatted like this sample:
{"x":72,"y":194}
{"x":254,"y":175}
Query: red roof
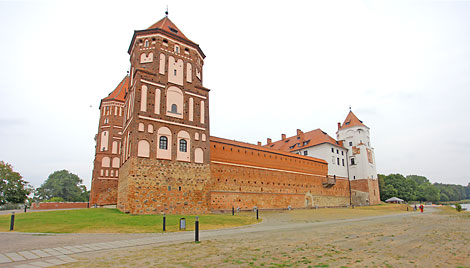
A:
{"x":351,"y":121}
{"x":120,"y":91}
{"x":302,"y":140}
{"x":168,"y":26}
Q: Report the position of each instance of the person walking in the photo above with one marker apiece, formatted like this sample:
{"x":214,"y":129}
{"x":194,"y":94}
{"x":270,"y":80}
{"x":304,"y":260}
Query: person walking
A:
{"x":421,"y":207}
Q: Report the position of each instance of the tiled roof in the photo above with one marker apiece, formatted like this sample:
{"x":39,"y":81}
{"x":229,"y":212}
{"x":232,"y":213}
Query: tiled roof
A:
{"x":120,"y":91}
{"x":168,"y":26}
{"x":351,"y":121}
{"x":303,"y":140}
{"x":263,"y":148}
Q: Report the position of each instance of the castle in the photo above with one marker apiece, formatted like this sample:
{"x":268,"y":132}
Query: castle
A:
{"x":154,"y":152}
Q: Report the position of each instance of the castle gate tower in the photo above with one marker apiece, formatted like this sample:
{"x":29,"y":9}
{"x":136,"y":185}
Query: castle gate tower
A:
{"x":361,"y":160}
{"x":165,"y":148}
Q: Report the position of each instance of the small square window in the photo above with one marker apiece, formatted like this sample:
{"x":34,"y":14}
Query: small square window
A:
{"x":305,"y":153}
{"x":350,"y":143}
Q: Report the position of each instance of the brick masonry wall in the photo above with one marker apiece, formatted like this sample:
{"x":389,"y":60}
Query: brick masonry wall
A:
{"x":59,"y":205}
{"x":365,"y":192}
{"x":104,"y":191}
{"x":150,"y":186}
{"x":245,"y":176}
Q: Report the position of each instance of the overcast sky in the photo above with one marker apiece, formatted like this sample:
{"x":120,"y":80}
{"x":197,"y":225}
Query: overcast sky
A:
{"x":272,"y":67}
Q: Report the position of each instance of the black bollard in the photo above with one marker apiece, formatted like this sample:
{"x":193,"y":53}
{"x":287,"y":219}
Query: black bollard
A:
{"x":25,"y":208}
{"x":233,"y":211}
{"x":196,"y":229}
{"x":12,"y":222}
{"x":257,"y":213}
{"x":164,"y":222}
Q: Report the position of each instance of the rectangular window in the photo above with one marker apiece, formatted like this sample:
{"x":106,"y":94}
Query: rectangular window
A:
{"x":305,"y":153}
{"x":350,"y":143}
{"x":343,"y":162}
{"x":352,"y":162}
{"x":332,"y":150}
{"x":342,"y":152}
{"x":337,"y":160}
{"x":337,"y":151}
{"x":169,"y":188}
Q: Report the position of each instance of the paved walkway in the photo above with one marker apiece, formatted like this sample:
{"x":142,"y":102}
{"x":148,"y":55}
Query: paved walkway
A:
{"x":23,"y":250}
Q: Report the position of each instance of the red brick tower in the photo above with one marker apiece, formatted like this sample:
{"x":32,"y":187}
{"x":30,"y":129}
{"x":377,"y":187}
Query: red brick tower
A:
{"x":165,"y":148}
{"x":108,"y":147}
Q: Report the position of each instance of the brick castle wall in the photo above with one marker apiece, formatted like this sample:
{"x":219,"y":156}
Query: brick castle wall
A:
{"x":149,"y":186}
{"x":365,"y":192}
{"x":104,"y":192}
{"x":245,"y":175}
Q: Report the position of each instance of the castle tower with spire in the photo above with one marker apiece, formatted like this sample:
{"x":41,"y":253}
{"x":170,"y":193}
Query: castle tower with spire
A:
{"x":165,"y":142}
{"x":355,"y":136}
{"x":108,"y":147}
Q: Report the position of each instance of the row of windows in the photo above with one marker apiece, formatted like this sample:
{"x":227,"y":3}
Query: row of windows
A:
{"x":163,"y":144}
{"x":176,"y":47}
{"x":337,"y":151}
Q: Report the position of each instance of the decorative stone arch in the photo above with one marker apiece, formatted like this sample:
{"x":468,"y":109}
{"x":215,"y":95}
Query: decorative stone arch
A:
{"x":116,"y":162}
{"x":105,"y":162}
{"x":174,"y":102}
{"x":199,"y":155}
{"x":184,"y":156}
{"x":175,"y":70}
{"x":308,"y":200}
{"x":164,"y":153}
{"x":143,"y":148}
{"x":144,"y":58}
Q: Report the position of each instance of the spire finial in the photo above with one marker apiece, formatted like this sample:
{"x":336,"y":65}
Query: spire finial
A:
{"x":166,"y":12}
{"x":350,"y":108}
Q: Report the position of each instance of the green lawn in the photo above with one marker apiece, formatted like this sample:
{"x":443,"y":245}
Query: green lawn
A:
{"x":106,"y":220}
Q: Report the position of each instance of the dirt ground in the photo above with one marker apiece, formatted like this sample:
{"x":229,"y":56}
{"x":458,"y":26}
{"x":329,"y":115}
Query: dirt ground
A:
{"x":410,"y":239}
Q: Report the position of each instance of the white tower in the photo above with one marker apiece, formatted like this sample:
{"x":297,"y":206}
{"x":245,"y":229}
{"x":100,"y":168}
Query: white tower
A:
{"x":361,"y":159}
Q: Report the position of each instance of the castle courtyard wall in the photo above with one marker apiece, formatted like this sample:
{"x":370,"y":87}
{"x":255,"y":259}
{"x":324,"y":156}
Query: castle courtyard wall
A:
{"x":244,"y":176}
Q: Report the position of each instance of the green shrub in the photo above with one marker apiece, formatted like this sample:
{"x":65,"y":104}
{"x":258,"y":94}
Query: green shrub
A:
{"x":458,"y":207}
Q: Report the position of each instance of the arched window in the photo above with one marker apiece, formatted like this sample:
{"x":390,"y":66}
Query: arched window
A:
{"x":163,"y":143}
{"x":183,"y":146}
{"x":174,"y":108}
{"x":146,"y":43}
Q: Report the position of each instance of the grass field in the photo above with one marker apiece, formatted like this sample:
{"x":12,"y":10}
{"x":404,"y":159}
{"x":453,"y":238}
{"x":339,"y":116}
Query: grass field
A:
{"x":107,"y":220}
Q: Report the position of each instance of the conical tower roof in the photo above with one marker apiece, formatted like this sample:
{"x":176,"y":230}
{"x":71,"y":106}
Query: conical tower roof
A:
{"x":168,"y":26}
{"x":351,"y":121}
{"x":120,"y":91}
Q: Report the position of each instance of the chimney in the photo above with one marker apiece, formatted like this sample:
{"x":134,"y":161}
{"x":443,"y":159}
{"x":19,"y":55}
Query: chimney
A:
{"x":299,"y":132}
{"x":259,"y":143}
{"x":269,"y":141}
{"x":339,"y":125}
{"x":283,"y":136}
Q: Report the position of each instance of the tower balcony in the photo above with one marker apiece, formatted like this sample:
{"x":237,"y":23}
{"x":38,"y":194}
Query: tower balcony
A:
{"x":329,"y":181}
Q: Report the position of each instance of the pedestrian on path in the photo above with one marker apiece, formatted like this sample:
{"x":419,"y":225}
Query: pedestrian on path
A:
{"x":421,"y":207}
{"x":416,"y":207}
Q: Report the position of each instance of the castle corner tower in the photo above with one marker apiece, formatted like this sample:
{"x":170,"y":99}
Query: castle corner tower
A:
{"x":165,"y":148}
{"x":355,"y":136}
{"x":107,"y":161}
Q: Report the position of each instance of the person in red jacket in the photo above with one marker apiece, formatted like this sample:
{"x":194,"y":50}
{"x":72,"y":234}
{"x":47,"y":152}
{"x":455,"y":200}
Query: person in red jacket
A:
{"x":421,"y":207}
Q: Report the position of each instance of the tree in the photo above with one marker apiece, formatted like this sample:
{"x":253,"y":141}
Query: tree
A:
{"x":63,"y":184}
{"x":418,"y":179}
{"x":13,"y":189}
